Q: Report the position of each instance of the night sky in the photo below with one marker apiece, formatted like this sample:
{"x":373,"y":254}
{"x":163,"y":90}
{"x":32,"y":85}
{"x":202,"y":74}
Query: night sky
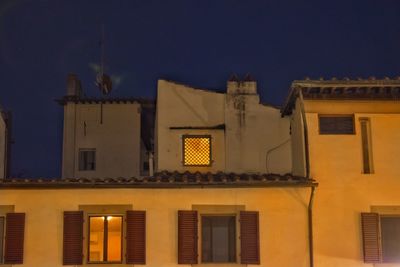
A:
{"x":199,"y":43}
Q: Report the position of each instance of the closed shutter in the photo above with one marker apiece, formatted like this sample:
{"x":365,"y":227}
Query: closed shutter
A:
{"x":135,"y":237}
{"x":336,"y":124}
{"x":14,"y":245}
{"x":73,"y":238}
{"x":249,"y":238}
{"x":370,"y":234}
{"x":187,"y":237}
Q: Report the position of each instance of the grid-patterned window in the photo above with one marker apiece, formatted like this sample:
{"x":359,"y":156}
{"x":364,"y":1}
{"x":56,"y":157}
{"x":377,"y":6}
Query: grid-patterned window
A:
{"x":87,"y":159}
{"x":197,"y":150}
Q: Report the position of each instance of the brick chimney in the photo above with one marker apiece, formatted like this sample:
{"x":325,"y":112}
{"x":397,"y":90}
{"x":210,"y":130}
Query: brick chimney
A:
{"x":74,"y":87}
{"x":248,"y":86}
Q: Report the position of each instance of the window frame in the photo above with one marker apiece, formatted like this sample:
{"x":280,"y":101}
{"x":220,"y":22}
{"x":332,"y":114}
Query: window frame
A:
{"x":208,"y":136}
{"x":235,"y":237}
{"x":336,"y":116}
{"x":381,"y":236}
{"x":80,"y":156}
{"x":89,"y":215}
{"x":367,"y":159}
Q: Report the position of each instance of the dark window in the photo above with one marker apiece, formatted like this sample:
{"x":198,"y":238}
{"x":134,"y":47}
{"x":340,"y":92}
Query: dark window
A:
{"x":390,"y":236}
{"x":381,"y":237}
{"x":87,"y":159}
{"x":146,"y":166}
{"x":218,"y":242}
{"x":105,"y":239}
{"x":366,"y":145}
{"x":196,"y":150}
{"x":341,"y":124}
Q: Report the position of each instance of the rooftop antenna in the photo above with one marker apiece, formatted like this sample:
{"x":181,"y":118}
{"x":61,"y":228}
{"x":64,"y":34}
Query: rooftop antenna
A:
{"x":103,"y":81}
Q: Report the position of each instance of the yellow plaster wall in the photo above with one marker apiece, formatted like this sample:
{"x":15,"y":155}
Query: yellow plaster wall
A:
{"x":344,"y":191}
{"x":283,"y":219}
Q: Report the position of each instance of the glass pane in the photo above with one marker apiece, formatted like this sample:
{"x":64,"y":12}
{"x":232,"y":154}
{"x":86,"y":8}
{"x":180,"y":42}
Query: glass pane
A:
{"x":206,"y":239}
{"x":218,"y":239}
{"x":114,"y":238}
{"x":96,"y":237}
{"x":390,"y":230}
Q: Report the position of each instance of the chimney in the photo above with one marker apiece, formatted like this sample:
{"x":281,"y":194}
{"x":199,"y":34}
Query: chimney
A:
{"x":73,"y":86}
{"x":248,"y":86}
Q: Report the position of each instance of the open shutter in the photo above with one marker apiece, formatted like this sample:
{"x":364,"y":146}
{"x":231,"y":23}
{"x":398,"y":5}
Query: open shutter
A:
{"x":249,"y":238}
{"x":135,"y":237}
{"x":73,"y":238}
{"x":187,"y":237}
{"x":14,"y":243}
{"x":370,"y":234}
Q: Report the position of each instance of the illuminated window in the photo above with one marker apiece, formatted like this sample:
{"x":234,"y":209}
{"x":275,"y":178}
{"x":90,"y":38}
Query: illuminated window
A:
{"x":105,"y":235}
{"x":197,"y":150}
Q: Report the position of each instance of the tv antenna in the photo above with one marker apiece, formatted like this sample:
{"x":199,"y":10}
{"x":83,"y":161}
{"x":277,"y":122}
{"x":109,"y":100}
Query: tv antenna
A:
{"x":103,"y":81}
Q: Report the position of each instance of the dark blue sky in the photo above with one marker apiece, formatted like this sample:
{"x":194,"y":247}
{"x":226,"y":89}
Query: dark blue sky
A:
{"x":195,"y":42}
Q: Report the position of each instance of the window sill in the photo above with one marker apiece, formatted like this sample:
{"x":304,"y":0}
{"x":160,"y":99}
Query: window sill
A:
{"x":214,"y":264}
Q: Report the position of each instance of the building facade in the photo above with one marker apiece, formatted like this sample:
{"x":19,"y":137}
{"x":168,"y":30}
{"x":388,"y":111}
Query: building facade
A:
{"x":346,"y":133}
{"x":234,"y":182}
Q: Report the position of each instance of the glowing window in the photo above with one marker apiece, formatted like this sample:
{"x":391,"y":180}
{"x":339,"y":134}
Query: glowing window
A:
{"x":105,"y":235}
{"x":196,"y":150}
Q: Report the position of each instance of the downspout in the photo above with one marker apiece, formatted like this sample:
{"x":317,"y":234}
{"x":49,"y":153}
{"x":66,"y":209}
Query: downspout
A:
{"x":311,"y":202}
{"x":310,"y":227}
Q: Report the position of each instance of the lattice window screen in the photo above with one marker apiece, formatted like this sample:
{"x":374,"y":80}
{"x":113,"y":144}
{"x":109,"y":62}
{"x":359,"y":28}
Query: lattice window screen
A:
{"x":197,"y":150}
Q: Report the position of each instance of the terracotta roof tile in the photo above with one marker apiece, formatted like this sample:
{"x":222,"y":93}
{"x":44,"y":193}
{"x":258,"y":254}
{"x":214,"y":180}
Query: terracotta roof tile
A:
{"x":165,"y":180}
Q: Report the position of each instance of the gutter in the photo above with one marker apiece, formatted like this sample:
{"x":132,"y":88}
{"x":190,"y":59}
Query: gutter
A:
{"x":311,"y":202}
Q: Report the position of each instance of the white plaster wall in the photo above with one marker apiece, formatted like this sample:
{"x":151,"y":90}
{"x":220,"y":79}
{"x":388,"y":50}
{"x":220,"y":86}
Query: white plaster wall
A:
{"x":182,"y":106}
{"x":115,"y":136}
{"x":297,"y":138}
{"x":254,"y":130}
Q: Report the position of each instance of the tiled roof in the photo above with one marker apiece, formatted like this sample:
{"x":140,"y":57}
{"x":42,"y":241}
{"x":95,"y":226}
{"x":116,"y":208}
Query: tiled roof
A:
{"x":79,"y":100}
{"x":165,"y":180}
{"x":345,"y":89}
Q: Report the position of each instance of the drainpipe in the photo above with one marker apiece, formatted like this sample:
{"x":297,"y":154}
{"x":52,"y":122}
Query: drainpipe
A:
{"x":310,"y":227}
{"x":151,"y":164}
{"x":311,"y":202}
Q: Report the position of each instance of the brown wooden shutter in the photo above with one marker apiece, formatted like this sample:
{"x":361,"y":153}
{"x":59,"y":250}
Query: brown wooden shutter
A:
{"x":14,"y":245}
{"x":135,"y":237}
{"x":187,"y":237}
{"x":336,"y":124}
{"x":73,"y":238}
{"x":370,"y":234}
{"x":249,"y":238}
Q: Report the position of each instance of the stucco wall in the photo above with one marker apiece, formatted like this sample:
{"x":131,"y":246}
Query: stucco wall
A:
{"x":112,"y":129}
{"x":182,"y":106}
{"x":252,"y":130}
{"x":3,"y":140}
{"x":344,"y":192}
{"x":257,"y":137}
{"x":297,"y":141}
{"x":283,"y":219}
